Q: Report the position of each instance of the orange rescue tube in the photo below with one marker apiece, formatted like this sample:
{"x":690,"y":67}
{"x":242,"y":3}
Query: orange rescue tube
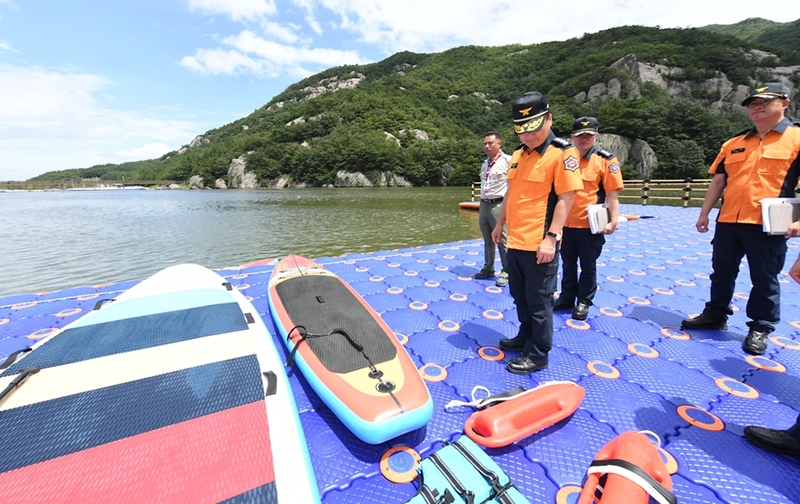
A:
{"x":630,"y":448}
{"x":525,"y":414}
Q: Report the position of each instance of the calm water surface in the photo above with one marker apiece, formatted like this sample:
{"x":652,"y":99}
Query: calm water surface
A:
{"x":55,"y":240}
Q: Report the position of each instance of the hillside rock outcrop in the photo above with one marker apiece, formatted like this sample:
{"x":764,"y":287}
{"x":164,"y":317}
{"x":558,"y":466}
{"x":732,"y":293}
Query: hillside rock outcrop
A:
{"x":635,"y":152}
{"x":196,"y":182}
{"x":239,"y":177}
{"x":371,"y":179}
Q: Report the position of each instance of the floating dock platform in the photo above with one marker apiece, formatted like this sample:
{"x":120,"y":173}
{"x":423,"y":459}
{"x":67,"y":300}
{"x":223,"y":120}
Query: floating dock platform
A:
{"x":696,"y":390}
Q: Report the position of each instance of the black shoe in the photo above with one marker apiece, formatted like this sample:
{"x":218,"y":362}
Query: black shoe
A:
{"x":513,"y":344}
{"x":524,"y":365}
{"x":484,"y":273}
{"x":756,"y":342}
{"x":563,"y":304}
{"x":704,"y":321}
{"x":778,"y":441}
{"x":581,"y":311}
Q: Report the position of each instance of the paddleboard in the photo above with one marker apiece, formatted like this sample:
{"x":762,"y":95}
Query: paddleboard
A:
{"x":172,"y":392}
{"x":348,"y":354}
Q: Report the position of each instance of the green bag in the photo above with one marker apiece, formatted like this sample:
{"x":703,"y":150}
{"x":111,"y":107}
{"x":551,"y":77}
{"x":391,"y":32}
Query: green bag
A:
{"x":461,"y":472}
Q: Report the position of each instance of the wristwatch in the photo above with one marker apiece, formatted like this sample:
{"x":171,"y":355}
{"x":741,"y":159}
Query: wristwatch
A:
{"x":557,"y":236}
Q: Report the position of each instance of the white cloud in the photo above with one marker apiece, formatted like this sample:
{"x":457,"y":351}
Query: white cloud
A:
{"x":251,"y":53}
{"x":5,"y":46}
{"x":51,"y":120}
{"x":238,"y":10}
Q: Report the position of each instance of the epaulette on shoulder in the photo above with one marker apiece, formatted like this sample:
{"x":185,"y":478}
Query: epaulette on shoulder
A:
{"x":561,"y":143}
{"x":797,"y":123}
{"x":520,"y":146}
{"x":605,"y":154}
{"x":743,"y":132}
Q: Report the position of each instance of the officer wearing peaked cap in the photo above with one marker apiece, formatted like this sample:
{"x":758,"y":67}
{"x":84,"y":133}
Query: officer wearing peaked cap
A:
{"x":542,"y":177}
{"x":602,"y":181}
{"x":763,"y":162}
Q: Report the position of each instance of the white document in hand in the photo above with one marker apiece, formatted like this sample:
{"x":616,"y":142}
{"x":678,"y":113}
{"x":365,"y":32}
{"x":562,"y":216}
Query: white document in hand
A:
{"x":777,"y":214}
{"x":598,"y":218}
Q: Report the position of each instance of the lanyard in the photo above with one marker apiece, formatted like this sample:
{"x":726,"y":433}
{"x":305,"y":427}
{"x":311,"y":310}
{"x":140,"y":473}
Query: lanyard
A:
{"x":492,"y":162}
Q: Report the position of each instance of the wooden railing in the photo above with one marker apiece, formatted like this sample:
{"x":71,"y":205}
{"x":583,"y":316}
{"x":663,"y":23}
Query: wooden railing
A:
{"x":668,"y":191}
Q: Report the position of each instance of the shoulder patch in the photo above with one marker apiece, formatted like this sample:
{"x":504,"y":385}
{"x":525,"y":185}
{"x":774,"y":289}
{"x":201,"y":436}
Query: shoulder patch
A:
{"x":604,"y":154}
{"x":572,"y":163}
{"x":613,"y":168}
{"x":561,"y":143}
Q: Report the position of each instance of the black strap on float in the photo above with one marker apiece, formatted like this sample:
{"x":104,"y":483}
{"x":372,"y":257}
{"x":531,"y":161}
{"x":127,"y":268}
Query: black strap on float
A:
{"x":499,"y":492}
{"x":98,"y":304}
{"x":13,"y":357}
{"x":635,"y":474}
{"x":272,"y":383}
{"x":17,"y":382}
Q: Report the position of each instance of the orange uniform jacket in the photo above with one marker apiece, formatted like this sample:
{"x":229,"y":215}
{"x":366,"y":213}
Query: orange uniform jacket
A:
{"x":535,"y":179}
{"x":756,"y":169}
{"x":600,"y":172}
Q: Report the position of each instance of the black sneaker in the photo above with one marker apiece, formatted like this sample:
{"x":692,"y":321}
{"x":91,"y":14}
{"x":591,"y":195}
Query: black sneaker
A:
{"x":483,"y":274}
{"x":778,"y":441}
{"x":563,"y":304}
{"x":755,"y":343}
{"x":581,"y":311}
{"x":704,"y":321}
{"x":525,"y":365}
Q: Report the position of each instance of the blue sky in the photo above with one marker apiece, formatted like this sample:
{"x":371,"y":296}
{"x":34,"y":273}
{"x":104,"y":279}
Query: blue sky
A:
{"x":85,"y":82}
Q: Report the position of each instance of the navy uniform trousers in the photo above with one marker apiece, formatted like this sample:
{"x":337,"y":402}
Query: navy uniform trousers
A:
{"x":532,"y":286}
{"x":579,"y":245}
{"x":765,"y":257}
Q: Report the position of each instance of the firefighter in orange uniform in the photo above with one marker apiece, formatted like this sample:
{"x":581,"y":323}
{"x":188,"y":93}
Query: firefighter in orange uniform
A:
{"x":761,"y":162}
{"x":543,"y":176}
{"x":602,"y":181}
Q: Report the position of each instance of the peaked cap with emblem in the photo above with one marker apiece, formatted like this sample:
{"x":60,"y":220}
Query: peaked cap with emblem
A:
{"x":529,"y":112}
{"x":584,"y":126}
{"x":767,"y":91}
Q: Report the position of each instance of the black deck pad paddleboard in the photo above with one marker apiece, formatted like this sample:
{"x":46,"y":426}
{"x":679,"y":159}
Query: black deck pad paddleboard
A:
{"x":322,"y":304}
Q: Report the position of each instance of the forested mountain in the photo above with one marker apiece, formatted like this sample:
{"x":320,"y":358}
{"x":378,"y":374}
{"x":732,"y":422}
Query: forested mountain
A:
{"x":781,"y":36}
{"x":422,"y":116}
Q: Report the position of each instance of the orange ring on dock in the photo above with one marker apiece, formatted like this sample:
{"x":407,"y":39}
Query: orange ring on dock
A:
{"x":442,"y":268}
{"x":418,"y":305}
{"x":4,"y":321}
{"x":564,"y":494}
{"x":402,"y":338}
{"x":685,"y":283}
{"x":610,"y":312}
{"x":433,"y":372}
{"x":675,"y":334}
{"x":639,"y":300}
{"x":393,"y":265}
{"x":670,"y":261}
{"x":643,"y":350}
{"x":376,"y":279}
{"x":657,"y":267}
{"x":250,"y":298}
{"x":431,"y":283}
{"x":701,"y":276}
{"x":458,"y":297}
{"x":399,"y":464}
{"x":669,"y":460}
{"x":22,"y":306}
{"x":361,"y":269}
{"x":449,"y":326}
{"x":411,"y":273}
{"x":448,"y":256}
{"x":394,"y":290}
{"x":580,"y":325}
{"x":88,"y":297}
{"x":349,"y":261}
{"x":795,"y":324}
{"x":715,"y":425}
{"x":737,"y":388}
{"x":739,"y":295}
{"x":470,"y":263}
{"x":637,"y":272}
{"x":42,"y":333}
{"x":472,"y":252}
{"x":69,"y":312}
{"x":491,"y":353}
{"x":423,"y":261}
{"x":770,"y":365}
{"x":493,"y":289}
{"x":465,"y":279}
{"x":784,"y":342}
{"x":240,"y":276}
{"x":618,"y":259}
{"x":242,"y":287}
{"x":611,"y":373}
{"x":492,"y":314}
{"x":637,"y":256}
{"x":663,"y":291}
{"x":615,"y":279}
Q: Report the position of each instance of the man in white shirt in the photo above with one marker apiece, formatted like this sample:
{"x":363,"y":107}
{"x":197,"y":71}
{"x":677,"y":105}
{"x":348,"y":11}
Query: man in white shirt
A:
{"x":493,"y":190}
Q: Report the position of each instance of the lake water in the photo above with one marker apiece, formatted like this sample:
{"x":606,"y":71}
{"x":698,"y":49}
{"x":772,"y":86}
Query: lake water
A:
{"x":55,"y":240}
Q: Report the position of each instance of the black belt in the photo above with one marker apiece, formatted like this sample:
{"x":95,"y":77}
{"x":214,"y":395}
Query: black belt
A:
{"x":493,"y":200}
